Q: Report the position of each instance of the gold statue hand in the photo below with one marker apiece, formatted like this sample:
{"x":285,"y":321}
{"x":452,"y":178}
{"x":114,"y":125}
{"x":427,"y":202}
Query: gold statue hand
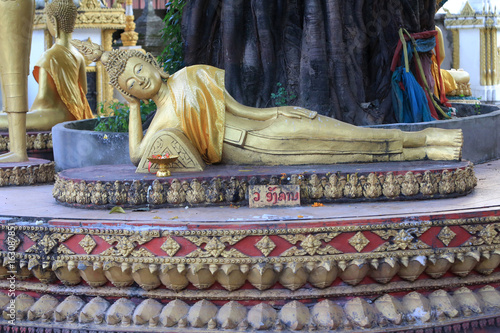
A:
{"x":296,"y":112}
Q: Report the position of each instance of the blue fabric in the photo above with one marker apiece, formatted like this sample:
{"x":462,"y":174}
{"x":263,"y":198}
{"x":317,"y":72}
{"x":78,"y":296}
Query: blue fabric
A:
{"x":409,"y":101}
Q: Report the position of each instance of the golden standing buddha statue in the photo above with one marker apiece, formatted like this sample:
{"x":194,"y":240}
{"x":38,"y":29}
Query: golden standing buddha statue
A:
{"x":60,"y":73}
{"x":16,"y":28}
{"x":194,"y":101}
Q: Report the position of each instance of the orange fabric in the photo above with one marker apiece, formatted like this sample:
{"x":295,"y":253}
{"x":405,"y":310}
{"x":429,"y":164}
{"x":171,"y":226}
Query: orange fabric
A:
{"x":448,"y":81}
{"x":63,"y":68}
{"x":198,"y":102}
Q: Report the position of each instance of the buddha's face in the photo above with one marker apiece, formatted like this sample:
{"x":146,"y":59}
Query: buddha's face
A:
{"x":140,"y":79}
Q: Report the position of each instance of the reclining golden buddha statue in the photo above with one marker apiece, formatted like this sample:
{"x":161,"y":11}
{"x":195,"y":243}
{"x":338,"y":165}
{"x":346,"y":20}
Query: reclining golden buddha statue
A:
{"x":60,"y":73}
{"x":194,"y":103}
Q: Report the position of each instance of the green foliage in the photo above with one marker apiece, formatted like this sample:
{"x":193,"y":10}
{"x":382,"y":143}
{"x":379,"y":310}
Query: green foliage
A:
{"x":119,"y":116}
{"x":172,"y":56}
{"x":282,"y":97}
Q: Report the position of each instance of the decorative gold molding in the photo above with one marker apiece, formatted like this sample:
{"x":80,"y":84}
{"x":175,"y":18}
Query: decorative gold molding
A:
{"x":97,"y":18}
{"x":39,"y":141}
{"x":30,"y":175}
{"x":313,"y":254}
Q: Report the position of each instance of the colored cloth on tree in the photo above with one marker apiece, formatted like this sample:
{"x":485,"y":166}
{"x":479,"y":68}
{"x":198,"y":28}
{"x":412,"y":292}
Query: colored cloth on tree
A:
{"x":64,"y":69}
{"x":409,"y":100}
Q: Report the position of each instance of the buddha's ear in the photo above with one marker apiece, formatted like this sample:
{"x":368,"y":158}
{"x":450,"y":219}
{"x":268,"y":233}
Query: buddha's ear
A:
{"x":56,"y":24}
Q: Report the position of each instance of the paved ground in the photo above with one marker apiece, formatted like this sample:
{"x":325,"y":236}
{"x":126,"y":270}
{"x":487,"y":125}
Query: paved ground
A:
{"x":37,"y":201}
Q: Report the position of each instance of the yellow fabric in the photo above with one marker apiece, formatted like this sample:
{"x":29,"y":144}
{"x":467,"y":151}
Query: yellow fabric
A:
{"x":448,"y":80}
{"x":63,"y":68}
{"x":198,"y":104}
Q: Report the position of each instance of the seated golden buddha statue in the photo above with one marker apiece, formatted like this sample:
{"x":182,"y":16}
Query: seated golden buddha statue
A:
{"x":60,"y":73}
{"x":194,"y":101}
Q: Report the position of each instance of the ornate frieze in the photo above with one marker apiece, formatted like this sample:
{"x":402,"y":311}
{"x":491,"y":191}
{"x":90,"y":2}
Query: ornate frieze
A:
{"x":318,"y":254}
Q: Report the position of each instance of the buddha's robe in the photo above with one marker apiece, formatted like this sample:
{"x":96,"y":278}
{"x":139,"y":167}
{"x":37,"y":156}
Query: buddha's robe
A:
{"x":197,"y":107}
{"x":449,"y":83}
{"x":64,"y":69}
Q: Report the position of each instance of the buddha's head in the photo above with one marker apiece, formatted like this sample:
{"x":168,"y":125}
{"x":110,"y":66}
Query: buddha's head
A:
{"x":60,"y":15}
{"x":134,"y":73}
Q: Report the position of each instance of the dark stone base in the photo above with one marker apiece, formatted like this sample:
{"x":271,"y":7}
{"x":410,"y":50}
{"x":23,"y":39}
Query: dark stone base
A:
{"x":106,"y":186}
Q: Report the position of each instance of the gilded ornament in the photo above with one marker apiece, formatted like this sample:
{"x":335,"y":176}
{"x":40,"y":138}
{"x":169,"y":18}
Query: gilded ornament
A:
{"x":265,"y":245}
{"x":99,"y":194}
{"x":446,"y":235}
{"x":118,"y":194}
{"x":82,"y":194}
{"x":136,"y":194}
{"x":429,"y":185}
{"x":125,"y":245}
{"x":196,"y":193}
{"x":170,"y":246}
{"x":447,"y":182}
{"x":353,"y":187}
{"x":87,"y":243}
{"x":360,"y":313}
{"x":156,"y":193}
{"x":359,"y":241}
{"x":390,"y":308}
{"x":63,"y":249}
{"x":409,"y":185}
{"x":372,"y":188}
{"x":334,"y":189}
{"x":46,"y":242}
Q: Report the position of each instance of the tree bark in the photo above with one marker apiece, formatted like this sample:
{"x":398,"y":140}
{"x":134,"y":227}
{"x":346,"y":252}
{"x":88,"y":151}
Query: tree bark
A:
{"x":334,"y":55}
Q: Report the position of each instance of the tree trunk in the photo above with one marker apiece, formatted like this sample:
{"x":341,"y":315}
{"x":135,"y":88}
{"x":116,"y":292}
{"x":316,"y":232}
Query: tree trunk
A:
{"x":333,"y":55}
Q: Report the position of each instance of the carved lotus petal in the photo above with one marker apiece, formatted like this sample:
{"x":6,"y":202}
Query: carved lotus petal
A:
{"x":68,"y":308}
{"x":360,"y":313}
{"x":327,"y":315}
{"x":45,"y":304}
{"x":4,"y":300}
{"x":262,"y":276}
{"x":469,"y":302}
{"x":390,"y":308}
{"x":444,"y":304}
{"x":94,"y":310}
{"x":121,"y":308}
{"x":23,"y":303}
{"x":490,"y":296}
{"x":200,"y":314}
{"x":146,"y":311}
{"x":173,"y":312}
{"x":417,"y":306}
{"x":262,"y":316}
{"x":295,"y":315}
{"x":231,"y":315}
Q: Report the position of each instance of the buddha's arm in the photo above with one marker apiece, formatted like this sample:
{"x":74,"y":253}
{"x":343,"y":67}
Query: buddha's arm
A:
{"x":135,"y":131}
{"x":243,"y":111}
{"x":240,"y":110}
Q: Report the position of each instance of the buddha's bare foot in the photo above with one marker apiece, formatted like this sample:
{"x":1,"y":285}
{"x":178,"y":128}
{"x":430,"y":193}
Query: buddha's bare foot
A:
{"x":443,"y":137}
{"x":440,"y":153}
{"x":12,"y":157}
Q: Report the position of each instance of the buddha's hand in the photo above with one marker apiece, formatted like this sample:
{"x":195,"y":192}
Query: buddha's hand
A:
{"x":296,"y":112}
{"x":131,"y":100}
